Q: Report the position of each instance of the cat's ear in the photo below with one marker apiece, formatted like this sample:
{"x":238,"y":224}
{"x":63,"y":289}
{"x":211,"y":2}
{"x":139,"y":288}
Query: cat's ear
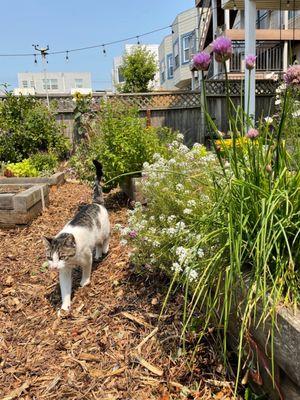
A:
{"x":70,"y":241}
{"x":47,"y":241}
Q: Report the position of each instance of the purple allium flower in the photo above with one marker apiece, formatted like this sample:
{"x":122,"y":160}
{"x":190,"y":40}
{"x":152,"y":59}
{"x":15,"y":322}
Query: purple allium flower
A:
{"x":250,"y":61}
{"x":252,"y":133}
{"x":132,"y":234}
{"x":201,"y":61}
{"x":292,"y":75}
{"x":222,"y":48}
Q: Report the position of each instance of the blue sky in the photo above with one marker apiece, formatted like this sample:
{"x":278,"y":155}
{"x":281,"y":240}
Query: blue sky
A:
{"x":69,"y":24}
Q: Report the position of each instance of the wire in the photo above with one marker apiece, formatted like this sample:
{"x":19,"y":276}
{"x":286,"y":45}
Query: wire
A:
{"x":102,"y":45}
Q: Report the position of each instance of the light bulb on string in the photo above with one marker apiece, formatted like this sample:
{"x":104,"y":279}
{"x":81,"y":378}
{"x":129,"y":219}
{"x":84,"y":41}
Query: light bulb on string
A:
{"x":35,"y":60}
{"x":104,"y":50}
{"x":67,"y":56}
{"x":138,"y":40}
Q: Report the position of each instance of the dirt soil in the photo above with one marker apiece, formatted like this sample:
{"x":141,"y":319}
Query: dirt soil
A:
{"x":111,"y":345}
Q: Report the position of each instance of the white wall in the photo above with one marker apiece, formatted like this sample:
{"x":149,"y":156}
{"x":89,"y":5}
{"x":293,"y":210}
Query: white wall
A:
{"x":66,"y":81}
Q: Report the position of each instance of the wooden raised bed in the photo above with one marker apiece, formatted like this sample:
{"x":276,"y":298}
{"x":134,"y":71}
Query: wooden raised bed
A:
{"x":55,"y":179}
{"x":19,"y":208}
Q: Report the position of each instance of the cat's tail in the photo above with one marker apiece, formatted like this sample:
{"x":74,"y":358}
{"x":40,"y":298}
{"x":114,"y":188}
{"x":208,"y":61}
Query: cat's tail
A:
{"x":97,"y":189}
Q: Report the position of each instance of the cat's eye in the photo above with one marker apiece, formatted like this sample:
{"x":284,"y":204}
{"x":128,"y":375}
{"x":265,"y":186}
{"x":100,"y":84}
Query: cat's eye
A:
{"x":63,"y":257}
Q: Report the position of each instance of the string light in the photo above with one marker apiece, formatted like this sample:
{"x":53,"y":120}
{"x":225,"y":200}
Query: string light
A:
{"x":100,"y":45}
{"x":67,"y":55}
{"x":35,"y":60}
{"x":138,"y":40}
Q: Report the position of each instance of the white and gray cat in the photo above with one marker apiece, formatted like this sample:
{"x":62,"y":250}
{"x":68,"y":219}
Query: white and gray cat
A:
{"x":74,"y":244}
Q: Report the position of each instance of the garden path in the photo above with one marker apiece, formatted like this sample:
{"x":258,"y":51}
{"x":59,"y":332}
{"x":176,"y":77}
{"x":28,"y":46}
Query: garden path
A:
{"x":108,"y":347}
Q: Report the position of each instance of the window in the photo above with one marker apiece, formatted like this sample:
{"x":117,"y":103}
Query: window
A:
{"x":52,"y":84}
{"x":25,"y":84}
{"x":170,"y":66}
{"x":162,"y":71}
{"x":121,"y":78}
{"x":176,"y":54}
{"x":32,"y":84}
{"x":78,"y":83}
{"x":188,"y":46}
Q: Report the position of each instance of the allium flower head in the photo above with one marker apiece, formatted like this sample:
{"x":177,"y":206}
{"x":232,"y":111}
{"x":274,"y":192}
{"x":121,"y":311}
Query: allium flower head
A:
{"x":250,"y":61}
{"x":201,"y":61}
{"x":222,"y":48}
{"x":252,"y":133}
{"x":292,"y":76}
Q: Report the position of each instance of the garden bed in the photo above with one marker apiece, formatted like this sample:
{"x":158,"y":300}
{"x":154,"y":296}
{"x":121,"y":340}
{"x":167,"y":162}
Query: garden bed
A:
{"x":20,"y":204}
{"x":56,"y":179}
{"x":108,"y":347}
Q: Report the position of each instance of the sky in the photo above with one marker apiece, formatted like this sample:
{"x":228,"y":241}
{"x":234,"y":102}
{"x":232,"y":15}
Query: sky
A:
{"x":67,"y":24}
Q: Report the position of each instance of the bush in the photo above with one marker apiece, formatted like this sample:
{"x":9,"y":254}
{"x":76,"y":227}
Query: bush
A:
{"x":121,"y":141}
{"x":27,"y":126}
{"x":179,"y":190}
{"x":44,"y":162}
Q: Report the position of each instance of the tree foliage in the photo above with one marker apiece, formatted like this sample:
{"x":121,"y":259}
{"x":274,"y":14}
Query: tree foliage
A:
{"x":138,"y":68}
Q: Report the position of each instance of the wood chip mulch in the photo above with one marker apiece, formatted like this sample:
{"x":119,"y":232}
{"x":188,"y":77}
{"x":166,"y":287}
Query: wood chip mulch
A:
{"x":111,"y":346}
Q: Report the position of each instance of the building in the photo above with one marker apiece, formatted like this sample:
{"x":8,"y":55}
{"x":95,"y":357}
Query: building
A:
{"x":276,"y":34}
{"x":118,"y":78}
{"x":176,"y":51}
{"x":265,"y":28}
{"x":54,"y":82}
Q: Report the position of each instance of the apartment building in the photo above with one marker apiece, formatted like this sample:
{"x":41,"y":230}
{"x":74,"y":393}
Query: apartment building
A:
{"x":116,"y":73}
{"x":54,"y":82}
{"x":176,"y":51}
{"x":277,"y":36}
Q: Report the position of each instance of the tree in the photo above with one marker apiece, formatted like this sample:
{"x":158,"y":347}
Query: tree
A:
{"x":138,"y":68}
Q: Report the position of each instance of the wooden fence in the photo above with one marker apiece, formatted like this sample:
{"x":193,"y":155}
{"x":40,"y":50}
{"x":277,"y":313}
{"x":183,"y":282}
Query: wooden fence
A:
{"x":179,"y":110}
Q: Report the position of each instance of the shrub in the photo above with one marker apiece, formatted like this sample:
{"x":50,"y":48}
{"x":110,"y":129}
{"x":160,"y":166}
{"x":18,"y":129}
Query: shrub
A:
{"x":44,"y":162}
{"x":121,"y":141}
{"x":27,"y":126}
{"x":179,"y":190}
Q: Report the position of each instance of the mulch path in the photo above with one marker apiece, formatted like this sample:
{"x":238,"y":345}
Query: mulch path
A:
{"x":111,"y":346}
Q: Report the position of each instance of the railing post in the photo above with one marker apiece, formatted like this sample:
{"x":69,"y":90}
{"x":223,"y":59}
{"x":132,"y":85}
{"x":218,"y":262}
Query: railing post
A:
{"x":250,"y":48}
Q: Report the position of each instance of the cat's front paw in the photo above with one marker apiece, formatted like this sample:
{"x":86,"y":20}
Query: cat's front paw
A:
{"x":85,"y":282}
{"x":64,"y":311}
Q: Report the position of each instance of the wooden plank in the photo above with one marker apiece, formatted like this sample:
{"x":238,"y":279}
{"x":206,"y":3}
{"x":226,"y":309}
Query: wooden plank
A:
{"x":10,"y":218}
{"x":6,"y":201}
{"x":25,"y":200}
{"x":265,"y":34}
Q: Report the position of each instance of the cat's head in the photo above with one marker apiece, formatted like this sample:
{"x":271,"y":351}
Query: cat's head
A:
{"x":59,"y":250}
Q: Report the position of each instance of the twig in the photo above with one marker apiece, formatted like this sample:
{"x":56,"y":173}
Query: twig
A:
{"x":145,"y":340}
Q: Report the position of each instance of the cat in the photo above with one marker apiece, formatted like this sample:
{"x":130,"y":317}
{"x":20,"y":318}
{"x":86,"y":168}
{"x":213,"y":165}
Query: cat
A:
{"x":73,"y":246}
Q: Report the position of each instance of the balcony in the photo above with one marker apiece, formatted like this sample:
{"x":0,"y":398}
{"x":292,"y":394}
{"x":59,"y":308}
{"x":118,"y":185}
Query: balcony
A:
{"x":269,"y":58}
{"x":265,"y":34}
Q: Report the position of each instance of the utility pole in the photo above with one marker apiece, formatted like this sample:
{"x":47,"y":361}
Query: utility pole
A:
{"x":44,"y":51}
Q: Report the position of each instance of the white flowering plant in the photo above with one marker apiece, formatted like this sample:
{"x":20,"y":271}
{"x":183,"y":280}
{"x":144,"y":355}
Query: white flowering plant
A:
{"x":168,"y":233}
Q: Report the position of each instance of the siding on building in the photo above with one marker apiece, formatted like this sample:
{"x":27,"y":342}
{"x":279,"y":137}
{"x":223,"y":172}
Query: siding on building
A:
{"x":184,"y":34}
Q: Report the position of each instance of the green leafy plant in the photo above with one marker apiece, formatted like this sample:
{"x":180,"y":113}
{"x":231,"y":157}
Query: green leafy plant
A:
{"x":36,"y":165}
{"x":138,"y":68}
{"x":27,"y":126}
{"x":44,"y":162}
{"x":21,"y":169}
{"x":121,"y":141}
